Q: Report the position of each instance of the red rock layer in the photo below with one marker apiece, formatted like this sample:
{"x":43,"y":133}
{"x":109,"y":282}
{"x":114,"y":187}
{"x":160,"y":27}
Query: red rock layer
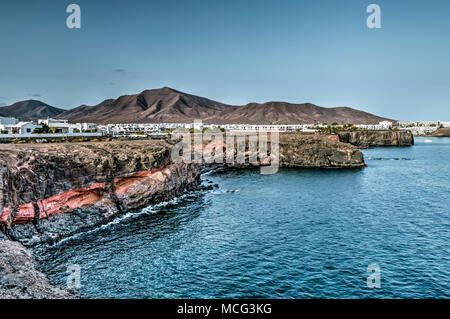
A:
{"x":73,"y":199}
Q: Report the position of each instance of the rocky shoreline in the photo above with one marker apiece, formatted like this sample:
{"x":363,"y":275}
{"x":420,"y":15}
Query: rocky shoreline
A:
{"x":442,"y":132}
{"x":366,"y":139}
{"x":20,"y":277}
{"x":49,"y":192}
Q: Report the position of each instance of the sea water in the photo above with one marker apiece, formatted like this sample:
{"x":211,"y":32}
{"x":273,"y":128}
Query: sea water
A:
{"x":296,"y":234}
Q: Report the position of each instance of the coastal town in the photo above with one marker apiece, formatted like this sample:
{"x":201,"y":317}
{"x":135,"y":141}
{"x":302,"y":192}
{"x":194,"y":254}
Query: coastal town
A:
{"x":11,"y":128}
{"x":224,"y":159}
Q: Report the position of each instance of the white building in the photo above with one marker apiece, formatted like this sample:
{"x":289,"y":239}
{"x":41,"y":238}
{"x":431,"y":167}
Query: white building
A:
{"x":384,"y":125}
{"x":16,"y":127}
{"x":12,"y":128}
{"x":422,"y":127}
{"x":27,"y":127}
{"x":63,"y":127}
{"x":50,"y":121}
{"x":59,"y":126}
{"x":88,"y":126}
{"x":269,"y":128}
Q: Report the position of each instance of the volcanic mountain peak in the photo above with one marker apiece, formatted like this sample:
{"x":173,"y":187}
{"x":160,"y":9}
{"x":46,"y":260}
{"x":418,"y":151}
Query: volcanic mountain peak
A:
{"x":157,"y":105}
{"x":29,"y":110}
{"x":167,"y":105}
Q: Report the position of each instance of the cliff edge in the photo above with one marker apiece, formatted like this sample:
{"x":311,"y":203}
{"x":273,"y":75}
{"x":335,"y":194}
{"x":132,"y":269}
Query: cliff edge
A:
{"x":366,"y":139}
{"x":53,"y":191}
{"x":20,"y":276}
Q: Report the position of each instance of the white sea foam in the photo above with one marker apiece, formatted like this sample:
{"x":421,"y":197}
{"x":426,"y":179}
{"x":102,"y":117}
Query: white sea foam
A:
{"x":149,"y":210}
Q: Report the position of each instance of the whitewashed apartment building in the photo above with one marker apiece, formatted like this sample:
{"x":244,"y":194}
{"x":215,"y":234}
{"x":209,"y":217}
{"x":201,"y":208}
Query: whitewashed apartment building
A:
{"x":13,"y":128}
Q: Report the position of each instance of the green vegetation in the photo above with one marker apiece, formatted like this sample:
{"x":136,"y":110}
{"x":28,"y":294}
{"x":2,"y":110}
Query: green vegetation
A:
{"x":4,"y":132}
{"x":334,"y":128}
{"x":43,"y":130}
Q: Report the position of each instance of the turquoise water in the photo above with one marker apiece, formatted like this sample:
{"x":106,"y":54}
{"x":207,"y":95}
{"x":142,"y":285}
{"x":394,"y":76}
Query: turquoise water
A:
{"x":296,"y":234}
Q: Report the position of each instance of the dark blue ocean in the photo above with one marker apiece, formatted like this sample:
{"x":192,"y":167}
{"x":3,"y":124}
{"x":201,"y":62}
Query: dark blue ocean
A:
{"x":295,"y":234}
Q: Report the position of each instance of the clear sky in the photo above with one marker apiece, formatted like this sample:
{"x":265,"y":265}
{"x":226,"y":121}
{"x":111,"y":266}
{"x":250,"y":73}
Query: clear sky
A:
{"x":233,"y":51}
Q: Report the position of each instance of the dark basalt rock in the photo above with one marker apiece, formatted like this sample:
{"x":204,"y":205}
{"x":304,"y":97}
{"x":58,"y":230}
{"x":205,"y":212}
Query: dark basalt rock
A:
{"x":89,"y":184}
{"x":366,"y":139}
{"x":312,"y":151}
{"x":53,"y":191}
{"x":21,"y":278}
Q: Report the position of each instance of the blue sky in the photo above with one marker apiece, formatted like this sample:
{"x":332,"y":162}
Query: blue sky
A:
{"x":233,"y":51}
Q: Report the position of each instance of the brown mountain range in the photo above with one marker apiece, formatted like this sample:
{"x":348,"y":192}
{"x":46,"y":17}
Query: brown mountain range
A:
{"x":30,"y":110}
{"x":150,"y":106}
{"x":167,"y":105}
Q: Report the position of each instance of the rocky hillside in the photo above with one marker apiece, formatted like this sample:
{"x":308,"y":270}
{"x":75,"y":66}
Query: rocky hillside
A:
{"x":166,"y":105}
{"x":30,"y":110}
{"x":442,"y":132}
{"x":172,"y":106}
{"x":51,"y":191}
{"x":377,"y":138}
{"x":161,"y":105}
{"x":288,"y":113}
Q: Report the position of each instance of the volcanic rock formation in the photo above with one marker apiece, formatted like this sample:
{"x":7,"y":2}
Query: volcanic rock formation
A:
{"x":167,"y":105}
{"x":53,"y":191}
{"x":30,"y":110}
{"x":365,"y":139}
